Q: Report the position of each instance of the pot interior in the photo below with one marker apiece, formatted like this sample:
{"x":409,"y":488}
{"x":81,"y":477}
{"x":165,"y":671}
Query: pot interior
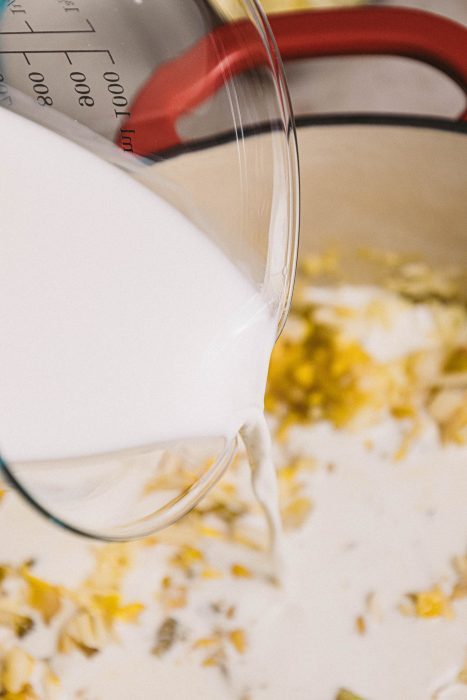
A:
{"x":399,"y":189}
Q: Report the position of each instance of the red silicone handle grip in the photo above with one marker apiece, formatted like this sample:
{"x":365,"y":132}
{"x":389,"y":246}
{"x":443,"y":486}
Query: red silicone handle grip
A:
{"x":415,"y":34}
{"x":179,"y":86}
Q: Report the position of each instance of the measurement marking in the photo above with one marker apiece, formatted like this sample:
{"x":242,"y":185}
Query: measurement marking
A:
{"x":63,"y":51}
{"x":127,"y":140}
{"x":15,"y":8}
{"x":91,"y":30}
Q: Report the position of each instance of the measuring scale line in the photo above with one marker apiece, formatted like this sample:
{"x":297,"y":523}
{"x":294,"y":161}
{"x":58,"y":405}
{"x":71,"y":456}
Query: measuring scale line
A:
{"x":91,"y":30}
{"x":64,"y":52}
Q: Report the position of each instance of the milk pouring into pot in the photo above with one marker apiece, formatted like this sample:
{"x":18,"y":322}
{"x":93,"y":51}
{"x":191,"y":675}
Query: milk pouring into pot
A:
{"x":122,"y":324}
{"x":138,"y":325}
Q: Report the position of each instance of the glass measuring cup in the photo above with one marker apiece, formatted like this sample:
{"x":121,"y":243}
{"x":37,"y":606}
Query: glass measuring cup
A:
{"x":153,"y":88}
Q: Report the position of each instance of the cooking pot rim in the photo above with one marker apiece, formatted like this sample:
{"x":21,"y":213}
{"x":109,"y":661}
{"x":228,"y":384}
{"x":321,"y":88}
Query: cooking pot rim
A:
{"x":372,"y":119}
{"x":306,"y":121}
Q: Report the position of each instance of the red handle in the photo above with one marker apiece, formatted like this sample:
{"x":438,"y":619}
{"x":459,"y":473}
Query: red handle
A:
{"x":423,"y":36}
{"x":181,"y":85}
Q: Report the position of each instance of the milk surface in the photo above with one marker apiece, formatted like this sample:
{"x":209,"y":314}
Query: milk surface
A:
{"x":379,"y":530}
{"x":121,"y":323}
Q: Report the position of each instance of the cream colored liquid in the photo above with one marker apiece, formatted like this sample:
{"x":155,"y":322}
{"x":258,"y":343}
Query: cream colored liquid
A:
{"x":122,"y":325}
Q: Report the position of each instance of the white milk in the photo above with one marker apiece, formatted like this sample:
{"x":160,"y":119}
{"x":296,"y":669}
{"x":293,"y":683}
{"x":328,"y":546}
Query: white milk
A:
{"x":122,"y":325}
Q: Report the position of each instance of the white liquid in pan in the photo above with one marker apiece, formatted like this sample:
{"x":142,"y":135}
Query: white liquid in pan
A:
{"x":122,"y":324}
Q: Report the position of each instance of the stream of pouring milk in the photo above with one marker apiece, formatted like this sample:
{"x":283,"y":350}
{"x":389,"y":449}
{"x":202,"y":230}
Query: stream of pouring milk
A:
{"x":122,"y":325}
